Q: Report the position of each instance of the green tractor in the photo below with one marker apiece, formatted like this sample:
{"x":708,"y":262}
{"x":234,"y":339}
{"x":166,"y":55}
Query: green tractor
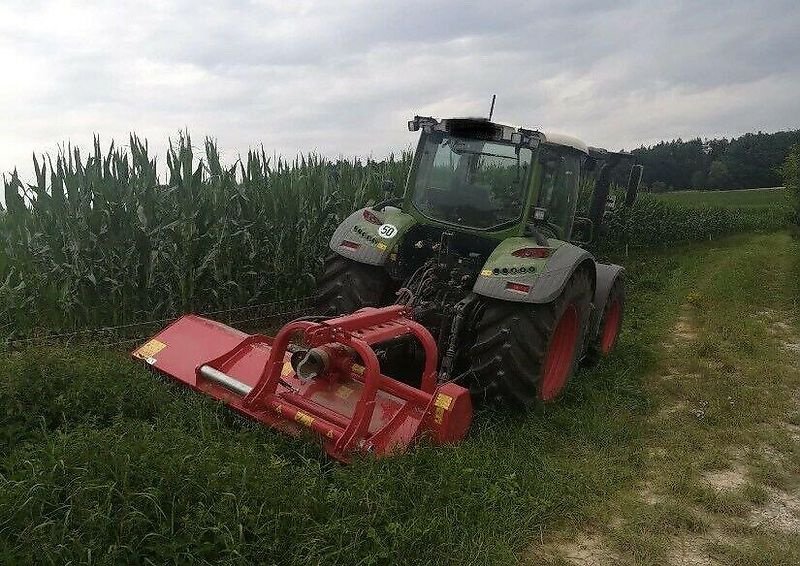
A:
{"x":486,"y":249}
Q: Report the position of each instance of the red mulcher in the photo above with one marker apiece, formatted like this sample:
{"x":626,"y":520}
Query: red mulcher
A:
{"x":331,"y":385}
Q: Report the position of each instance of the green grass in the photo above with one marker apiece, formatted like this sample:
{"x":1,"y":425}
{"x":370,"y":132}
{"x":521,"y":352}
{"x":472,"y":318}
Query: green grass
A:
{"x":104,"y":462}
{"x":727,"y":199}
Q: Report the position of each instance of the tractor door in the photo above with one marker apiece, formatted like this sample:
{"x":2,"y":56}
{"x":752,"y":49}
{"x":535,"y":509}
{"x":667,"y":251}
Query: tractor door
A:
{"x":559,"y":192}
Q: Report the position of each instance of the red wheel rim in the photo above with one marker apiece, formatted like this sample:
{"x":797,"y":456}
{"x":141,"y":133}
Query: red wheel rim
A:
{"x":611,"y":327}
{"x":560,"y":355}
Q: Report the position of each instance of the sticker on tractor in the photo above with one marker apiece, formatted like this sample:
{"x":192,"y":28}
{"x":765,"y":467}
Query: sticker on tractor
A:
{"x":381,"y":246}
{"x":387,"y":231}
{"x":443,"y":401}
{"x":486,"y":273}
{"x":303,"y":418}
{"x":149,"y":350}
{"x":343,"y":392}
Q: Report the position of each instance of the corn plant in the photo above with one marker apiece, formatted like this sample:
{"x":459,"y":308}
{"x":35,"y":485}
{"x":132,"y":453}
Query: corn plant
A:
{"x":651,"y":222}
{"x":104,"y":239}
{"x":790,"y":172}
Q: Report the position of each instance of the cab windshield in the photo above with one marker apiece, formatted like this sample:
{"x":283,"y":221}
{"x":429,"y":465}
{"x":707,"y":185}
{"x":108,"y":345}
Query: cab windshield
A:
{"x":474,"y":183}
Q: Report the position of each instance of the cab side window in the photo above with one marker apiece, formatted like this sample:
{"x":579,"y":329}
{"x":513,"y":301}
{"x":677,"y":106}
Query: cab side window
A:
{"x":558,"y":195}
{"x":572,"y":173}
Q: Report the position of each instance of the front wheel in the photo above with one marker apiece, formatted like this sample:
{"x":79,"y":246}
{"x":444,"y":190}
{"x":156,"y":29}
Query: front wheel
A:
{"x":346,"y":286}
{"x":527,"y":352}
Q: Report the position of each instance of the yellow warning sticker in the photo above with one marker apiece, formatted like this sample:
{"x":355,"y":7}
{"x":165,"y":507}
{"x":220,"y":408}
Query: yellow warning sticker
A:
{"x":329,"y":434}
{"x":343,"y":392}
{"x":443,"y":401}
{"x":304,"y":418}
{"x":381,"y":246}
{"x":486,"y":272}
{"x":150,"y":349}
{"x":357,"y":369}
{"x":439,"y":415}
{"x":286,"y":370}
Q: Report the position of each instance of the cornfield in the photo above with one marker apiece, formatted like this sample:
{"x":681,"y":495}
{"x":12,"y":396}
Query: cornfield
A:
{"x":103,"y":240}
{"x":790,"y":172}
{"x":651,"y":222}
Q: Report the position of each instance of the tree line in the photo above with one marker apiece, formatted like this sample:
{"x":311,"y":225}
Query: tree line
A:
{"x":749,"y":161}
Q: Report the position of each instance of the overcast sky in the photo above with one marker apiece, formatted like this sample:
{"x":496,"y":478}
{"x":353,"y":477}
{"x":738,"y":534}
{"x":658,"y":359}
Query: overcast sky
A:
{"x":343,"y":77}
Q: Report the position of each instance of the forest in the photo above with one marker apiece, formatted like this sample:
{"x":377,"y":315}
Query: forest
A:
{"x":752,"y":160}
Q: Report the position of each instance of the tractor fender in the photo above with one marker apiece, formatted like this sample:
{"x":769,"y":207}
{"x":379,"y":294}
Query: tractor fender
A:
{"x":370,"y":236}
{"x":545,"y":278}
{"x":607,"y":274}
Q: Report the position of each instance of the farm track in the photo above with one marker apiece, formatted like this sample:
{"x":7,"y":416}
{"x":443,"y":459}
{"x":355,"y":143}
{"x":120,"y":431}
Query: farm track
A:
{"x":683,"y":448}
{"x":720,"y":480}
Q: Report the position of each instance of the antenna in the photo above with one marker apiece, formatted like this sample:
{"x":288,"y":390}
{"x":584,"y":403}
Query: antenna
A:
{"x":491,"y":110}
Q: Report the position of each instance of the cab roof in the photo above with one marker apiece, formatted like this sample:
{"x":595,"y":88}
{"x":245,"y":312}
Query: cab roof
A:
{"x":554,"y":138}
{"x":482,"y":127}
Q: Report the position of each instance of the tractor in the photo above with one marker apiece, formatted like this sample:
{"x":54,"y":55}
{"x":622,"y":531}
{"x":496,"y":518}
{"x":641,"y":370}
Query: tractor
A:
{"x":475,"y":286}
{"x":485,"y":248}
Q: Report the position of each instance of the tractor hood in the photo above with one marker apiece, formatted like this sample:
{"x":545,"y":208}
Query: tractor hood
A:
{"x":370,"y":236}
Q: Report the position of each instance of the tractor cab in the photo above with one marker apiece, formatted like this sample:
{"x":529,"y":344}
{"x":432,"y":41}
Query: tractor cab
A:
{"x":470,"y":174}
{"x":494,"y":179}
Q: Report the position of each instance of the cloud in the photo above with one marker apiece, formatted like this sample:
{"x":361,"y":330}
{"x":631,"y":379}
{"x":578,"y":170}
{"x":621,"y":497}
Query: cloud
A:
{"x":343,"y":77}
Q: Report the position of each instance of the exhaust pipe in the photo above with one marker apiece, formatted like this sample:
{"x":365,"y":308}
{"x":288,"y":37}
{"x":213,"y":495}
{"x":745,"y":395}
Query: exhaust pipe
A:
{"x":602,"y":185}
{"x":634,"y":180}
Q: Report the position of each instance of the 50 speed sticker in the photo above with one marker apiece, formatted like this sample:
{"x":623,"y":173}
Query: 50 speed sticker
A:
{"x":387,"y":231}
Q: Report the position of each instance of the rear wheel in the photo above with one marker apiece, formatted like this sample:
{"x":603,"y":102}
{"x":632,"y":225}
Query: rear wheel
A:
{"x":346,"y":286}
{"x":524,"y":352}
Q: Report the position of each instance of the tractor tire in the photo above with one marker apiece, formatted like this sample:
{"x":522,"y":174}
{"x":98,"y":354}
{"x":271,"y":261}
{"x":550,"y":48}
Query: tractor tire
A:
{"x":346,"y":286}
{"x":610,"y":324}
{"x":524,"y":353}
